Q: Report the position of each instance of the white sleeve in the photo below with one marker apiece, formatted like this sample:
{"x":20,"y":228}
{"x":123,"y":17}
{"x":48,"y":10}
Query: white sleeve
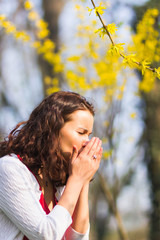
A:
{"x":21,"y":206}
{"x":71,"y":234}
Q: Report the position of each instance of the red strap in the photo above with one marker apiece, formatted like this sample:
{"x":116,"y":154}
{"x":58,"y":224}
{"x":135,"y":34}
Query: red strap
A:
{"x":43,"y":204}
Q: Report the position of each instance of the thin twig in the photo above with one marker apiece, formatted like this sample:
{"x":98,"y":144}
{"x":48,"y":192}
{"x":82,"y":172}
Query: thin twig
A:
{"x":111,"y":39}
{"x":109,"y":35}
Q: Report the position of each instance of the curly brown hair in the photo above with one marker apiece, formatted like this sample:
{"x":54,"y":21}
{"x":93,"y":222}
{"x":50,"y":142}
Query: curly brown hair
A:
{"x":36,"y":141}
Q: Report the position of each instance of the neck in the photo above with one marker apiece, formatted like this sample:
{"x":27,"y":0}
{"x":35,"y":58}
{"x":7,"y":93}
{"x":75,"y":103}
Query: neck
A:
{"x":44,"y":181}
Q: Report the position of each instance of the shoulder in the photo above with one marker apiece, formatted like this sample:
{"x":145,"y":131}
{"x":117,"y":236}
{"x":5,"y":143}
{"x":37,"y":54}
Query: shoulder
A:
{"x":14,"y":171}
{"x":11,"y":162}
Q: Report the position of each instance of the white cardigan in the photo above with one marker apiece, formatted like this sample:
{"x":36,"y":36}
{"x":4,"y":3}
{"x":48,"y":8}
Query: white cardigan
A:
{"x":22,"y":214}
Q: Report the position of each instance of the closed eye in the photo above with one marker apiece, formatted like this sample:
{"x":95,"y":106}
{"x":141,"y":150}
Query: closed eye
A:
{"x":81,"y":133}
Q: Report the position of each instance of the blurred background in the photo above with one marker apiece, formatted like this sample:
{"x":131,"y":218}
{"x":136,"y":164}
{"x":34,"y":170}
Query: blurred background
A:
{"x":51,"y":45}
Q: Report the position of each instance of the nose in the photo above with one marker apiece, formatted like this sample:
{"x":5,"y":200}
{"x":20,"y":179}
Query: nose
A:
{"x":85,"y":141}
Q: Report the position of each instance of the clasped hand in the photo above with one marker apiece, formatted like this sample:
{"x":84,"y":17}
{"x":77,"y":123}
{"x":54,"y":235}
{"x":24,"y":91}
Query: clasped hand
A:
{"x":84,"y":165}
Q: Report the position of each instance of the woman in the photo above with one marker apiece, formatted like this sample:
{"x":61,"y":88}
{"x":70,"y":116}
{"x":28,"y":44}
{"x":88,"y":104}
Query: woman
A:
{"x":46,"y":165}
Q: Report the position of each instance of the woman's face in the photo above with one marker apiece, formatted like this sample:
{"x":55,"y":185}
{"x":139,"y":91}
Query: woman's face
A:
{"x":76,"y":132}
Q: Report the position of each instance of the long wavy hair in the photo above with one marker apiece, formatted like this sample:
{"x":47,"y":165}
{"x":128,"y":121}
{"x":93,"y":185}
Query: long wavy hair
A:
{"x":36,"y":141}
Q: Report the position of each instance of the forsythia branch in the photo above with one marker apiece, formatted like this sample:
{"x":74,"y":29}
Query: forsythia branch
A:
{"x":117,"y":48}
{"x":104,"y":26}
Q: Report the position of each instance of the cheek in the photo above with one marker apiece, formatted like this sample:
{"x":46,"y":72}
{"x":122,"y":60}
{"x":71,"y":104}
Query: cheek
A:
{"x":79,"y":142}
{"x":69,"y":141}
{"x":66,"y":142}
{"x":74,"y":140}
{"x":69,"y":137}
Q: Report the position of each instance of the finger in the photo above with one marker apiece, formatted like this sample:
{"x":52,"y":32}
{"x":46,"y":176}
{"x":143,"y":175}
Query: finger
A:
{"x":95,"y":148}
{"x":99,"y":155}
{"x":74,"y":153}
{"x":89,"y":146}
{"x":98,"y":149}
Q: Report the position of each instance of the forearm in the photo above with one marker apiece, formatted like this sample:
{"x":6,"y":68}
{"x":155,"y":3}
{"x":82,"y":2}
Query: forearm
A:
{"x":81,"y":213}
{"x":71,"y":194}
{"x":75,"y":196}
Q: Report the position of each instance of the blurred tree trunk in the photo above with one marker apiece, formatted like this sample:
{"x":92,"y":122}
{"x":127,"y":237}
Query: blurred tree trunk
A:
{"x":52,"y":10}
{"x":152,"y":156}
{"x":151,"y":140}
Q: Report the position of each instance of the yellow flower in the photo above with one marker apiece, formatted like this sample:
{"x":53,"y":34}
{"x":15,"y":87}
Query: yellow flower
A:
{"x":154,"y":12}
{"x":53,"y":84}
{"x":55,"y":81}
{"x":94,"y":22}
{"x":49,"y":56}
{"x":133,"y":115}
{"x":77,"y":7}
{"x":28,"y":5}
{"x":107,"y":154}
{"x":111,"y":28}
{"x":11,"y":29}
{"x":43,"y":33}
{"x":74,"y":58}
{"x":41,"y":24}
{"x":156,"y":57}
{"x":6,"y":24}
{"x":100,"y":9}
{"x":110,"y":92}
{"x":2,"y":17}
{"x":81,"y":69}
{"x":144,"y":64}
{"x":101,"y":31}
{"x":147,"y":82}
{"x":71,"y":75}
{"x":57,"y":58}
{"x":130,"y":60}
{"x":116,"y":48}
{"x":52,"y":90}
{"x":33,"y":15}
{"x":157,"y":71}
{"x":58,"y":68}
{"x":90,"y":10}
{"x":48,"y":80}
{"x":36,"y":44}
{"x":22,"y":36}
{"x":49,"y":45}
